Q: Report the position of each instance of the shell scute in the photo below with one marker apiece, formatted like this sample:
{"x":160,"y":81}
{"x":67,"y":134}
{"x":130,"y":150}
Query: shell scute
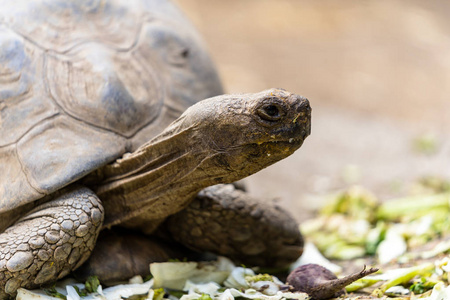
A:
{"x":59,"y":152}
{"x":22,"y":99}
{"x":105,"y":88}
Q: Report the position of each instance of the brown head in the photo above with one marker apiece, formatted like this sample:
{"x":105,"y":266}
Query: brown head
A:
{"x":246,"y":133}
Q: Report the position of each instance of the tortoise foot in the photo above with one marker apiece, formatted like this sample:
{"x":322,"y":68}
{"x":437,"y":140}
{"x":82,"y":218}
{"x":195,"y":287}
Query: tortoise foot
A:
{"x":51,"y":241}
{"x":229,"y":222}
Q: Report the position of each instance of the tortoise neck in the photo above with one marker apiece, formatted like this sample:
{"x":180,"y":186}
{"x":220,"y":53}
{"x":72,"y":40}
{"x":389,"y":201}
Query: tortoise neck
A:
{"x":158,"y":179}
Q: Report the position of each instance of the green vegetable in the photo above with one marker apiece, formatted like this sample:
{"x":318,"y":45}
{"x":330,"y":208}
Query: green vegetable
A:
{"x":175,"y":293}
{"x":356,"y":202}
{"x":54,"y":293}
{"x":413,"y":207}
{"x":404,"y":277}
{"x":205,"y":297}
{"x":90,"y":286}
{"x":82,"y":292}
{"x":435,"y":184}
{"x":158,"y":294}
{"x":259,"y":277}
{"x":422,"y":285}
{"x":360,"y":284}
{"x":344,"y":251}
{"x":92,"y":283}
{"x":375,"y":236}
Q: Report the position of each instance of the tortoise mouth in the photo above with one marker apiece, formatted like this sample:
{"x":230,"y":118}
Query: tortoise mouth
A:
{"x":295,"y":141}
{"x":290,"y":143}
{"x":281,"y":147}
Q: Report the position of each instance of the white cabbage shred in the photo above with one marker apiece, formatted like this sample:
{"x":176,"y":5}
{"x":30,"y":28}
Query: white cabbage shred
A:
{"x":220,"y":280}
{"x":117,"y":292}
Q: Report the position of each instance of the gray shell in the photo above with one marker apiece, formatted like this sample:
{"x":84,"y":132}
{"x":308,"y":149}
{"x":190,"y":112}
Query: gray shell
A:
{"x":84,"y":81}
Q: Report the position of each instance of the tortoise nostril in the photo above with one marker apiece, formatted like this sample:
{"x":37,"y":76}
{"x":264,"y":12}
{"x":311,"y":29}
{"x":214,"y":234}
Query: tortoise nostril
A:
{"x":185,"y":53}
{"x":270,"y":112}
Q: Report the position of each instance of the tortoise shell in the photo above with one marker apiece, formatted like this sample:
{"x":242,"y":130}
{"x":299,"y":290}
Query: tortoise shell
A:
{"x":84,"y":81}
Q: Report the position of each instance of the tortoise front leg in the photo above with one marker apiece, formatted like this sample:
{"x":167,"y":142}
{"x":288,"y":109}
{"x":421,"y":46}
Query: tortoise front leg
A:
{"x":227,"y":221}
{"x":52,"y":240}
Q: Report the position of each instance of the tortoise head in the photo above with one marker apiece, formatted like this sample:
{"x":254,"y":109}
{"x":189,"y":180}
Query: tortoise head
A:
{"x":246,"y":133}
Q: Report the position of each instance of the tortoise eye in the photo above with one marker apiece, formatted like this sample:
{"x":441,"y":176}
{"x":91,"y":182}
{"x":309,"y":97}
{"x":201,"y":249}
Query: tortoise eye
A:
{"x":270,"y":112}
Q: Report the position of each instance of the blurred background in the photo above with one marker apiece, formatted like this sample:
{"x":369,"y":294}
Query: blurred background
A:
{"x":377,"y":74}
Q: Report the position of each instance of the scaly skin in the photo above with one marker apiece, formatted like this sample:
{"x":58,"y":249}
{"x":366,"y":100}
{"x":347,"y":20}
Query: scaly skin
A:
{"x":49,"y":242}
{"x":227,"y":221}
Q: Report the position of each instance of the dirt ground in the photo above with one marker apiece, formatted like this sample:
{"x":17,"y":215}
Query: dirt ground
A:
{"x":377,"y":74}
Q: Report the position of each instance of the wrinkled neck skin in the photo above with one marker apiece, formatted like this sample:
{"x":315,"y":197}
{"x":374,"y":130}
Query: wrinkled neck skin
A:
{"x":159,"y":179}
{"x":162,"y":177}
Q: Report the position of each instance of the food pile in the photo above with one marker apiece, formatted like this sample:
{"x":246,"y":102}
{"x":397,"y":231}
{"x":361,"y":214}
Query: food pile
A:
{"x":408,"y":239}
{"x":179,"y":280}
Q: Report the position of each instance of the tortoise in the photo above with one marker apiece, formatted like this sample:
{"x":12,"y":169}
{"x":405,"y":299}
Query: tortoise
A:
{"x":104,"y":130}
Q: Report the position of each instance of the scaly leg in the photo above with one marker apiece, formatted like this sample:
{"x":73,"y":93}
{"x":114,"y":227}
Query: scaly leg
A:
{"x":229,"y":222}
{"x":50,"y":241}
